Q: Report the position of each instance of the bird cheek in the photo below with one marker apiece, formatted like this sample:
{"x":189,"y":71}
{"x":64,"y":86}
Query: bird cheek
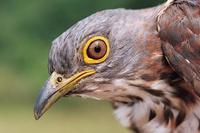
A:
{"x":96,"y":91}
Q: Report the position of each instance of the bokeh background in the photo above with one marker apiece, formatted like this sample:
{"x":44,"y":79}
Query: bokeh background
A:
{"x":27,"y":28}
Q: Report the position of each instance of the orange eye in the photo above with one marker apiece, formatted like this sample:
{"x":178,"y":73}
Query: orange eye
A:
{"x":96,"y":50}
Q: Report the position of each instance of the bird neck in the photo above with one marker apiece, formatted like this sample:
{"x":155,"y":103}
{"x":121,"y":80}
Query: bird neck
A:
{"x":165,"y":106}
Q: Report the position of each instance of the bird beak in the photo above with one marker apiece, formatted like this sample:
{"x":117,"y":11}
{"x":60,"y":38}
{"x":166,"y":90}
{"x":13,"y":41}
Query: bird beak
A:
{"x":56,"y":87}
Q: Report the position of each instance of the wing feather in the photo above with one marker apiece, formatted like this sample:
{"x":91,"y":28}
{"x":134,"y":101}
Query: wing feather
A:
{"x":179,"y":30}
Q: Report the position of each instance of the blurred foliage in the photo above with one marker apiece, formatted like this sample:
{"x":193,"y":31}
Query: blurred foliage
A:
{"x":27,"y":29}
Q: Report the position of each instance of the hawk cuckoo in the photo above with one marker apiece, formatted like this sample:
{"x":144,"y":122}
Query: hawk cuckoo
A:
{"x":145,"y":62}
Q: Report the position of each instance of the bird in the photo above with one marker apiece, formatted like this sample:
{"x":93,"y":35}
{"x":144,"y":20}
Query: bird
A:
{"x":145,"y":62}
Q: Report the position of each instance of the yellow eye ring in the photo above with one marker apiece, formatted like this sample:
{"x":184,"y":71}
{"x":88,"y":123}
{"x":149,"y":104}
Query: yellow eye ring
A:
{"x":98,"y":44}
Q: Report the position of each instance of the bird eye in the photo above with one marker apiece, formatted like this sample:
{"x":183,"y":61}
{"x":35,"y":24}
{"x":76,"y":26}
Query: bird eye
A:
{"x":96,"y":50}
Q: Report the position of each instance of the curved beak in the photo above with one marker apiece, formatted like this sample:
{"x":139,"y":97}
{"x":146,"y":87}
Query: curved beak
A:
{"x":56,"y":87}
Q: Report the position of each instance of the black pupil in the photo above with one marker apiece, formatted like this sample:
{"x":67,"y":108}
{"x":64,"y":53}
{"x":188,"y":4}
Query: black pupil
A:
{"x":97,"y":49}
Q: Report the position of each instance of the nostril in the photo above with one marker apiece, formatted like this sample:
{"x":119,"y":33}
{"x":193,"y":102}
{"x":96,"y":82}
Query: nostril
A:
{"x":59,"y":79}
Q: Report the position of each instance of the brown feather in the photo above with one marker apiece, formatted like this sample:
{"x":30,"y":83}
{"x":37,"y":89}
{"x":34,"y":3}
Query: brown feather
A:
{"x":179,"y":30}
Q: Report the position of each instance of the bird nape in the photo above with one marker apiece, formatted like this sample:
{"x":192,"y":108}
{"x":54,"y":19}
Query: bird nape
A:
{"x":145,"y":62}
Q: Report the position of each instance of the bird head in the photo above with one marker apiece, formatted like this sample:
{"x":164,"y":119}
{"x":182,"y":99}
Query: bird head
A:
{"x":94,"y":58}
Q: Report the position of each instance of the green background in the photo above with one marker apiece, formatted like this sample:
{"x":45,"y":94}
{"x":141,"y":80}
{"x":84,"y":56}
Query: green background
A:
{"x":26,"y":31}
